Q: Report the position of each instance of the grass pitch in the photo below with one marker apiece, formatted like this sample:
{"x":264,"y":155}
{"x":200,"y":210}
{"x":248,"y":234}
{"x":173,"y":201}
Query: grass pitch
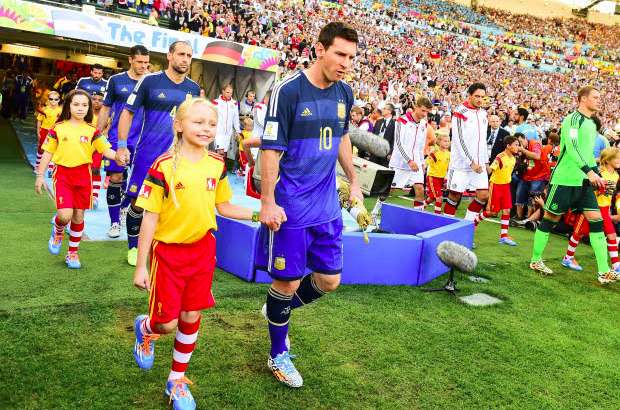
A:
{"x":66,"y":339}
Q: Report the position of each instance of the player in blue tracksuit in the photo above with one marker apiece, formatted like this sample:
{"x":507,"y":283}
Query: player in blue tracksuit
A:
{"x":95,"y":83}
{"x":158,"y":95}
{"x":118,"y":90}
{"x":306,"y":132}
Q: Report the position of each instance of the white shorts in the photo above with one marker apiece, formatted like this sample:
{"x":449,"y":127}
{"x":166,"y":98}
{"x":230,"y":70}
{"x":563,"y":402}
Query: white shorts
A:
{"x":461,"y":180}
{"x":407,"y":177}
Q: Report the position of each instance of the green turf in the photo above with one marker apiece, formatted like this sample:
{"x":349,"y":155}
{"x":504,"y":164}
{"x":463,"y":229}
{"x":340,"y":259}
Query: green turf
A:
{"x":65,"y":338}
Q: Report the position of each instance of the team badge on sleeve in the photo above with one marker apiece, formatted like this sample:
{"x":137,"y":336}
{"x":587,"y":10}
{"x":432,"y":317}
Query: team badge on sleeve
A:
{"x":211,"y":184}
{"x":271,"y":131}
{"x":145,"y":191}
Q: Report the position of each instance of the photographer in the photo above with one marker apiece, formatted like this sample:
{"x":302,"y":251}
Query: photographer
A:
{"x":534,"y":178}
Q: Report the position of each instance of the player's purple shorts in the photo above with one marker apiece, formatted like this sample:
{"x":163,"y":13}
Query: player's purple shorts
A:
{"x":144,"y":157}
{"x":289,"y":253}
{"x":111,"y":167}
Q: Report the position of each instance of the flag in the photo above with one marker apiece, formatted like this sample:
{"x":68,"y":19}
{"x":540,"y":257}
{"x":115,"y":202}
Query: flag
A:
{"x":75,"y":24}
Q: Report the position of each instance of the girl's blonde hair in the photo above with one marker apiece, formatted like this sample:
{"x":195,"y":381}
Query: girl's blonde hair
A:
{"x":175,"y":149}
{"x":608,"y":154}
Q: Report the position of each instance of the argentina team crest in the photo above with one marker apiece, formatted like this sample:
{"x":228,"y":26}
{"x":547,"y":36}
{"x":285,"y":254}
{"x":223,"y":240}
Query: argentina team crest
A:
{"x":342,"y":111}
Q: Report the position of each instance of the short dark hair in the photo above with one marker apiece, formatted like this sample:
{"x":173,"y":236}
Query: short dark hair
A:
{"x":174,"y":45}
{"x":476,"y":86}
{"x":523,"y":112}
{"x":509,"y":140}
{"x":96,"y":67}
{"x":519,"y":135}
{"x":250,"y":91}
{"x":99,"y":93}
{"x":138,"y":50}
{"x":390,"y":106}
{"x":330,"y":31}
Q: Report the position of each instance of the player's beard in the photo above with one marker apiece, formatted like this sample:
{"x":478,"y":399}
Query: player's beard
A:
{"x":179,"y":70}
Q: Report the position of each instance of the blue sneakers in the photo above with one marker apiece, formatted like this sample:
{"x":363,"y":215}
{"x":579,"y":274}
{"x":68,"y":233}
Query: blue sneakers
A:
{"x":73,"y":260}
{"x":144,"y":347}
{"x":507,"y":240}
{"x":571,"y":263}
{"x":55,"y":242}
{"x":284,"y":370}
{"x":180,"y":396}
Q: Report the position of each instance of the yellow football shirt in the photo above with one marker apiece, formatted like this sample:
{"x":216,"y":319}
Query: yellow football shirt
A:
{"x":438,"y":162}
{"x":48,"y":116}
{"x":74,"y":144}
{"x":246,"y":135}
{"x":502,"y":168}
{"x":198,"y":186}
{"x":604,"y":199}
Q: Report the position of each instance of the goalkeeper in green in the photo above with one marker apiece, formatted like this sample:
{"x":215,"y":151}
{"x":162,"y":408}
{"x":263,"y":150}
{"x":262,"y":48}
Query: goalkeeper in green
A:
{"x":573,"y":183}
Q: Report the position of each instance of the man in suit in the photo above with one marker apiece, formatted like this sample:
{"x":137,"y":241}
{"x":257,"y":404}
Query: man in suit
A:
{"x":384,"y":128}
{"x":495,"y":137}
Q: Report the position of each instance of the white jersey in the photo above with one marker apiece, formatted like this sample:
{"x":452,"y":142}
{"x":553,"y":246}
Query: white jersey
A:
{"x":469,"y":137}
{"x":409,"y":142}
{"x":259,"y":114}
{"x":227,"y":122}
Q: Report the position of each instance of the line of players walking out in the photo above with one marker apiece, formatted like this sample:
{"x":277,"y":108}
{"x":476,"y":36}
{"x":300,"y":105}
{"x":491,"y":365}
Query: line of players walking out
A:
{"x":153,"y":131}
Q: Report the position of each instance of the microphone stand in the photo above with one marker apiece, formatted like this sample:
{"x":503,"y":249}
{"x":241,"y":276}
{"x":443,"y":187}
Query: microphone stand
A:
{"x":449,"y":287}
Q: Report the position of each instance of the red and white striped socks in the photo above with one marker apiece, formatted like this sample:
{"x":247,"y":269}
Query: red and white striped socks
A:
{"x":184,"y":344}
{"x":59,"y":228}
{"x":503,"y":233}
{"x":572,"y":246}
{"x":612,"y":248}
{"x":96,"y":186}
{"x":474,"y":208}
{"x":39,"y":155}
{"x":438,"y":206}
{"x":419,"y":205}
{"x":75,"y":236}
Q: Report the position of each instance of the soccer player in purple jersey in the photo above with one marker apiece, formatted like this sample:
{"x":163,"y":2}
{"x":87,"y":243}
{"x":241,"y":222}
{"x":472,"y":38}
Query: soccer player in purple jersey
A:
{"x":158,"y":95}
{"x":118,"y":90}
{"x":306,"y":132}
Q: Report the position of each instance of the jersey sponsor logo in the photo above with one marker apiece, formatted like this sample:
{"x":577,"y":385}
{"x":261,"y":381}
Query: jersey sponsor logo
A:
{"x":306,"y":112}
{"x":145,"y":191}
{"x":271,"y":131}
{"x":161,"y":96}
{"x":211,"y":184}
{"x":342,"y":111}
{"x":84,"y":139}
{"x":133,"y":188}
{"x":279,"y":263}
{"x":179,"y":185}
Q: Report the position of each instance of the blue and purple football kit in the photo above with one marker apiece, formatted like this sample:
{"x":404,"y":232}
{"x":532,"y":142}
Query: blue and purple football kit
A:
{"x":159,"y":97}
{"x":306,"y":124}
{"x":118,"y":90}
{"x":91,"y":86}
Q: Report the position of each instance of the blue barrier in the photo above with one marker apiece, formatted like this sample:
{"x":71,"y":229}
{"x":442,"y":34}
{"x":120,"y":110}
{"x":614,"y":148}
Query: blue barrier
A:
{"x":405,"y":255}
